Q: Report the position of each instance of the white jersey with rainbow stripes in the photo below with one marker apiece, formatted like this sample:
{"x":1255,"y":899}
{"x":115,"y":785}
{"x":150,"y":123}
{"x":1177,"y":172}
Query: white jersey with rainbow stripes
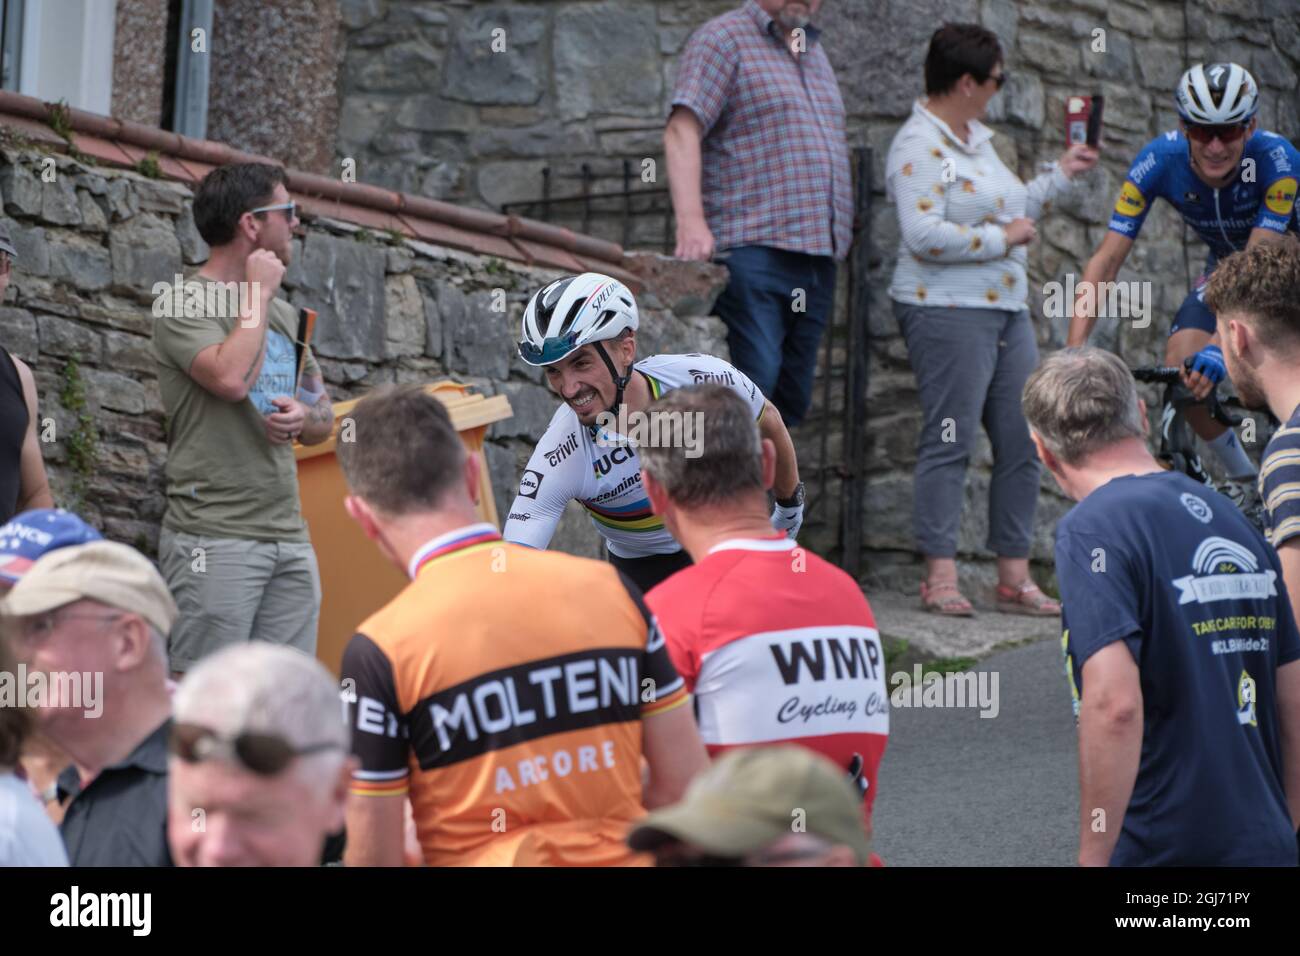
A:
{"x":568,"y":465}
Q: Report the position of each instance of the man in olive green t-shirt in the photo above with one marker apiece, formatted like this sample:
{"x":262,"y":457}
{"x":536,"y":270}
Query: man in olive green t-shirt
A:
{"x":234,"y":547}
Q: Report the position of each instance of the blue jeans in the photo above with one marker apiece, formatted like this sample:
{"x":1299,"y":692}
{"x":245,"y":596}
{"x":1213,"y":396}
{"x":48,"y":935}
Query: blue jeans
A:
{"x":776,"y":306}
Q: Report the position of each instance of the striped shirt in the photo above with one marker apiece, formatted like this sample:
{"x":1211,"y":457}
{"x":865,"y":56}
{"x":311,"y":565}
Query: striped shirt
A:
{"x":1279,"y":483}
{"x":774,"y":158}
{"x":952,"y":200}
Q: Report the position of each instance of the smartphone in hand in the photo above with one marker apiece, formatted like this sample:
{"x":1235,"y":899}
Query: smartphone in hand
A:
{"x":1083,"y":120}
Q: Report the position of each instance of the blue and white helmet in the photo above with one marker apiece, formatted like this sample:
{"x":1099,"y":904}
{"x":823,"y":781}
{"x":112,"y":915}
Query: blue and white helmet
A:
{"x":572,"y":312}
{"x":1217,"y":94}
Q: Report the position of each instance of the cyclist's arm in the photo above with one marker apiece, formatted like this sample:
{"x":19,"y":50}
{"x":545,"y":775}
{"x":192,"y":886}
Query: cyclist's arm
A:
{"x":771,"y":426}
{"x":1110,"y":746}
{"x":544,"y":492}
{"x":1104,"y":266}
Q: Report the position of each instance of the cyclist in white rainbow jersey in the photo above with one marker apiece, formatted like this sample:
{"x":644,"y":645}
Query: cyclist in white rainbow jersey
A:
{"x":582,"y":330}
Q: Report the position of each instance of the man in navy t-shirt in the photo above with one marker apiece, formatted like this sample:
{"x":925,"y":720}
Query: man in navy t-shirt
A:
{"x":1180,"y":643}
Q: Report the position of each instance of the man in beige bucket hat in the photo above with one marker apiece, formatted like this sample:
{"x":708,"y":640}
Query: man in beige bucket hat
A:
{"x":88,"y":626}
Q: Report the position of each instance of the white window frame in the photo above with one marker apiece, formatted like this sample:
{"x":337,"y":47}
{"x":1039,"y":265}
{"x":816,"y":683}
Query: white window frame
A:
{"x":67,"y":52}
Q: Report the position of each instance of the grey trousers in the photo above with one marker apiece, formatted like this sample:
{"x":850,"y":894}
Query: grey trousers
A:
{"x":230,"y":591}
{"x":971,"y":366}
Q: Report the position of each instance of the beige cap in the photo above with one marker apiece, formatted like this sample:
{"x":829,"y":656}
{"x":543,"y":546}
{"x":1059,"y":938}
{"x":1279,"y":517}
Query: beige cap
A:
{"x":103,"y":571}
{"x":747,"y":799}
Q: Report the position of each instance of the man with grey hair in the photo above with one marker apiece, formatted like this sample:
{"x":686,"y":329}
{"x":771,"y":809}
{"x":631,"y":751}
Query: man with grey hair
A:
{"x":759,"y":668}
{"x":89,"y":624}
{"x":259,"y":770}
{"x":1180,"y":643}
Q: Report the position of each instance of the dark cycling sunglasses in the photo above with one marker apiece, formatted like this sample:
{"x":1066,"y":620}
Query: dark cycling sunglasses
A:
{"x":1208,"y":134}
{"x":264,"y":754}
{"x":1000,"y":79}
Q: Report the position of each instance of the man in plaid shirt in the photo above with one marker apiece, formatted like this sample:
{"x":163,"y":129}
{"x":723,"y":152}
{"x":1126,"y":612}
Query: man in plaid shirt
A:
{"x":758,"y":168}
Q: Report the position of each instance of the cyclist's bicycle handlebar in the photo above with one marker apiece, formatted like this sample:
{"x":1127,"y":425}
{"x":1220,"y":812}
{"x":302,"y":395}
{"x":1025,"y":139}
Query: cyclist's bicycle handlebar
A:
{"x":1170,"y":375}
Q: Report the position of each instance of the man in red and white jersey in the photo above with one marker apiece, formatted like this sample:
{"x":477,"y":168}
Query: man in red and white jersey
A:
{"x":775,"y":643}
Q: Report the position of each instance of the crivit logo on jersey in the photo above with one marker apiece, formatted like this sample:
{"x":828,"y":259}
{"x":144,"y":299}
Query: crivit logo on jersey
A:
{"x":562,"y":450}
{"x":1141,"y":169}
{"x":1225,"y":570}
{"x":1131,"y":201}
{"x":1280,"y":197}
{"x":1279,"y":157}
{"x":721,"y":378}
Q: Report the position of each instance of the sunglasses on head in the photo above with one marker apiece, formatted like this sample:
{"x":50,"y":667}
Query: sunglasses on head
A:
{"x":264,"y":754}
{"x":1208,"y":134}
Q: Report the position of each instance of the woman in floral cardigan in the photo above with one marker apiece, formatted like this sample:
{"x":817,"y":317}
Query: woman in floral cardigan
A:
{"x":960,"y":293}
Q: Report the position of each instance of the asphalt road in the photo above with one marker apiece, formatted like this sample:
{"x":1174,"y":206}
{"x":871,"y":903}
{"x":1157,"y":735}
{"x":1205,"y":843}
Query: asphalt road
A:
{"x":960,"y":790}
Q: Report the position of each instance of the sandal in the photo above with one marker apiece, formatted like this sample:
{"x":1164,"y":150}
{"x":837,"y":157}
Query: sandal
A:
{"x":1026,"y":598}
{"x":945,"y":598}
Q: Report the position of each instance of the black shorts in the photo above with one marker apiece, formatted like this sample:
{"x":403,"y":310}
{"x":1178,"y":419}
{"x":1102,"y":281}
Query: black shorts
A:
{"x":649,"y":571}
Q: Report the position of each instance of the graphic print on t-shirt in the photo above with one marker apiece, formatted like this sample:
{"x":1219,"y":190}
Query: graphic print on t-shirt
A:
{"x":276,"y":378}
{"x":1175,"y":572}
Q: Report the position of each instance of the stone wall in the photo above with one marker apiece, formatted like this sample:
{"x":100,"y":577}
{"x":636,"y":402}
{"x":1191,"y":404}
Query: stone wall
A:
{"x":1049,"y":55}
{"x":428,"y":106}
{"x":92,"y":243}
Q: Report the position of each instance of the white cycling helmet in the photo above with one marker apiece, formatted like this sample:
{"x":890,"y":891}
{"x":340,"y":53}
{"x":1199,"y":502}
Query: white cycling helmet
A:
{"x":1217,"y":94}
{"x":572,"y":312}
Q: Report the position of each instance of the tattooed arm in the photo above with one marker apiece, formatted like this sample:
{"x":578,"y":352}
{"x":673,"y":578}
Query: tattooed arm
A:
{"x":319,"y":423}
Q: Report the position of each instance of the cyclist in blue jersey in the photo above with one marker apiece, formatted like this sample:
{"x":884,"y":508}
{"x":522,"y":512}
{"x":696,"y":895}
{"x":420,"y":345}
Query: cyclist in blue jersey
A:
{"x":1235,"y":185}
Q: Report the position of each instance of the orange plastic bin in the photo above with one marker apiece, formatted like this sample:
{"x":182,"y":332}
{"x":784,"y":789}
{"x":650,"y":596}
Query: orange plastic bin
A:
{"x":356,"y":580}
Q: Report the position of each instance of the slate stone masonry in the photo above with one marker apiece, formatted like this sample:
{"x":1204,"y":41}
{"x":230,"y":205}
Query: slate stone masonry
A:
{"x":93,"y":242}
{"x":427,"y":106}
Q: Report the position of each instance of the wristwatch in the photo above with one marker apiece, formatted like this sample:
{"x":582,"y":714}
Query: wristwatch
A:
{"x":795,"y":500}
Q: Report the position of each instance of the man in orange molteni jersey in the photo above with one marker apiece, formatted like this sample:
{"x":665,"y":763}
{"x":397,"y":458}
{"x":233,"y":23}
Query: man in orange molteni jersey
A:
{"x":510,"y":693}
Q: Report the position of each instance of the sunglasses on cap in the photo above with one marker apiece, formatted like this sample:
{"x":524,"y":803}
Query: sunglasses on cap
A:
{"x":1208,"y":134}
{"x":263,"y":754}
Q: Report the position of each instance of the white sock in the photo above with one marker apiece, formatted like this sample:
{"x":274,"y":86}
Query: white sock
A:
{"x":1227,"y":448}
